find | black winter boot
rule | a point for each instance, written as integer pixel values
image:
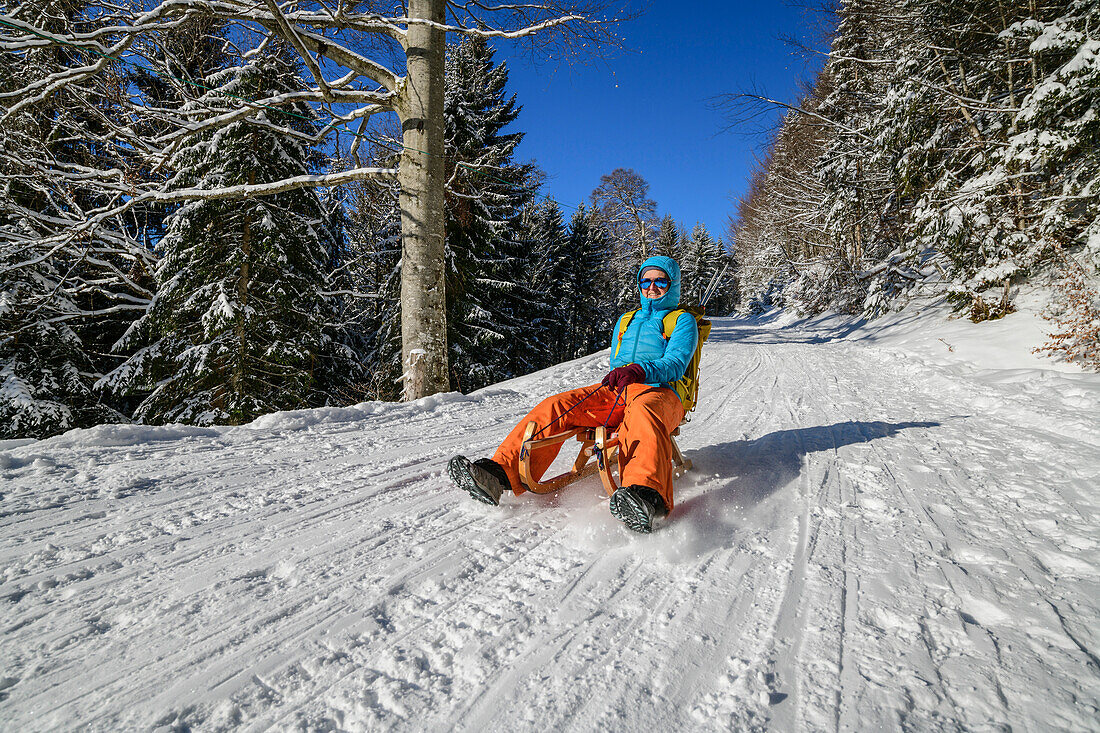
(636, 507)
(484, 479)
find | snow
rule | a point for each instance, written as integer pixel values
(116, 436)
(220, 311)
(1054, 38)
(1087, 57)
(890, 525)
(13, 389)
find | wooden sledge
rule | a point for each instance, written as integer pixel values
(599, 442)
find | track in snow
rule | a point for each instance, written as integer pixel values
(866, 542)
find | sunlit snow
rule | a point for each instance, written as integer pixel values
(890, 526)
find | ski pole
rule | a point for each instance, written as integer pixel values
(707, 289)
(713, 287)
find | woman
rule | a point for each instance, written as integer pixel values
(635, 396)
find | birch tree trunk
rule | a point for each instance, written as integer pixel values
(423, 305)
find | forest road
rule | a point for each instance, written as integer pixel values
(867, 541)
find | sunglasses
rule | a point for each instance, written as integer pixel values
(660, 282)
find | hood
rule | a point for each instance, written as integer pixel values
(669, 300)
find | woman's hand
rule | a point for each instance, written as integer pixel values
(618, 378)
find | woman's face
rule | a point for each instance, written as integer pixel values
(654, 283)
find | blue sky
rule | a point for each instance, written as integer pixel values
(647, 109)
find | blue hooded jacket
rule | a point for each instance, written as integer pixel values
(644, 343)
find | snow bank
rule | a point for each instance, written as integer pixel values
(301, 419)
(107, 436)
(289, 420)
(15, 443)
(932, 332)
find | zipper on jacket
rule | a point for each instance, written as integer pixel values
(644, 314)
(637, 334)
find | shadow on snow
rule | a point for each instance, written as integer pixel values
(753, 470)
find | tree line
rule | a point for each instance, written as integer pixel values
(946, 145)
(218, 308)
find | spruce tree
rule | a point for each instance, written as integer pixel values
(594, 303)
(61, 298)
(1056, 133)
(552, 272)
(726, 294)
(667, 242)
(180, 58)
(375, 269)
(701, 260)
(237, 327)
(1057, 138)
(488, 324)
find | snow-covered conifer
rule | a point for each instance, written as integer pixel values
(488, 327)
(1057, 130)
(701, 260)
(63, 298)
(667, 241)
(374, 235)
(179, 61)
(1057, 138)
(553, 271)
(594, 303)
(238, 324)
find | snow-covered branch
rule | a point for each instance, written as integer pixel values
(266, 189)
(379, 102)
(529, 30)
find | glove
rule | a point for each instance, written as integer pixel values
(619, 377)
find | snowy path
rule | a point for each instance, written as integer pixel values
(869, 541)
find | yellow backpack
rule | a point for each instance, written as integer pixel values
(687, 386)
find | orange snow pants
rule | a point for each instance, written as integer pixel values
(645, 425)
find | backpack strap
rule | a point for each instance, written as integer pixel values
(624, 321)
(668, 323)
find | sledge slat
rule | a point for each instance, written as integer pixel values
(546, 487)
(525, 457)
(552, 440)
(677, 456)
(584, 454)
(610, 451)
(589, 439)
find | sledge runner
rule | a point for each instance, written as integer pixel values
(636, 396)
